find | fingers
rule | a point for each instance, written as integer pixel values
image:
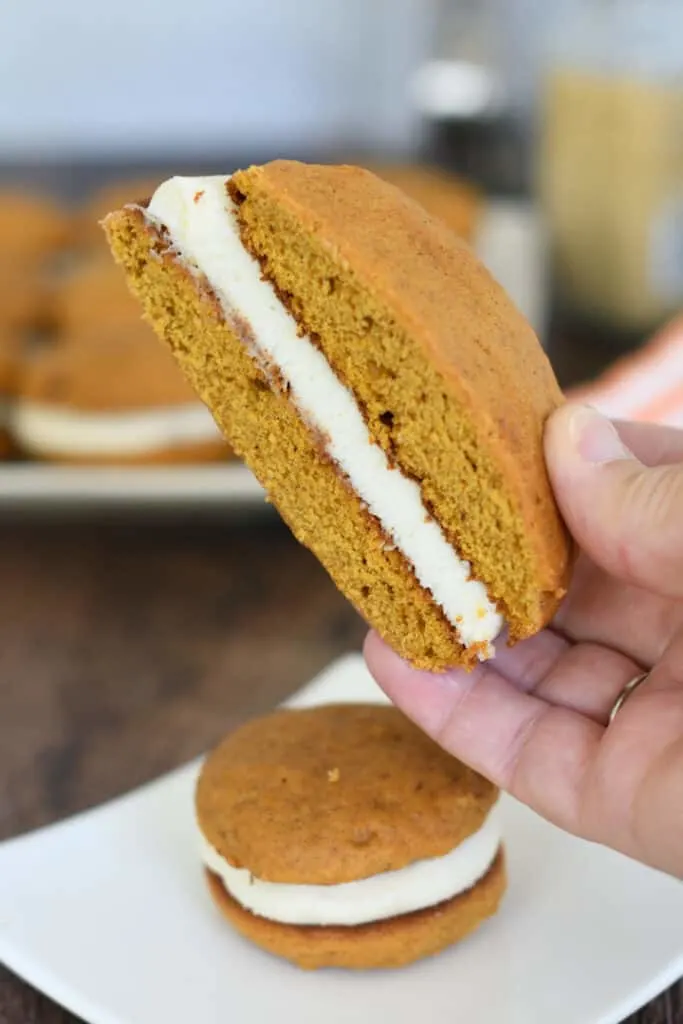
(585, 677)
(652, 443)
(538, 752)
(599, 609)
(625, 515)
(655, 716)
(529, 662)
(602, 610)
(637, 777)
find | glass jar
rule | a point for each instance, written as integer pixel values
(610, 158)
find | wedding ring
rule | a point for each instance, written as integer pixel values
(630, 688)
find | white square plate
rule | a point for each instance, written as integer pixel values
(108, 914)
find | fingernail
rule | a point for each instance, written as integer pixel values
(595, 437)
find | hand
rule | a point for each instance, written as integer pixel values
(535, 720)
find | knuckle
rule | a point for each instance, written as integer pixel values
(447, 732)
(514, 767)
(651, 539)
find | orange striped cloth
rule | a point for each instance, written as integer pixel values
(646, 385)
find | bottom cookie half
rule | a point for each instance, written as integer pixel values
(390, 943)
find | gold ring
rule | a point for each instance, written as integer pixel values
(630, 688)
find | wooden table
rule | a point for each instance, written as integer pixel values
(127, 648)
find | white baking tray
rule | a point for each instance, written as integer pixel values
(217, 485)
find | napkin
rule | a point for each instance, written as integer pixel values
(646, 385)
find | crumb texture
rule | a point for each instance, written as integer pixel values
(392, 943)
(266, 431)
(266, 802)
(450, 377)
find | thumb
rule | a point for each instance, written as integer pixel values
(626, 516)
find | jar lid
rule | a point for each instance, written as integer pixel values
(457, 90)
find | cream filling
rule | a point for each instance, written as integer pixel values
(199, 217)
(425, 883)
(51, 430)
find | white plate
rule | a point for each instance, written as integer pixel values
(108, 914)
(510, 241)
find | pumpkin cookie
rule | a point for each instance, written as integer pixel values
(92, 297)
(379, 383)
(341, 836)
(455, 202)
(116, 398)
(25, 299)
(32, 228)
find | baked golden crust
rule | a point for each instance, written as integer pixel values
(451, 378)
(459, 204)
(336, 793)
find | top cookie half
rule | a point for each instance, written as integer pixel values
(378, 382)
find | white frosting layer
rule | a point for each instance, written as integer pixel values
(53, 430)
(200, 219)
(422, 884)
